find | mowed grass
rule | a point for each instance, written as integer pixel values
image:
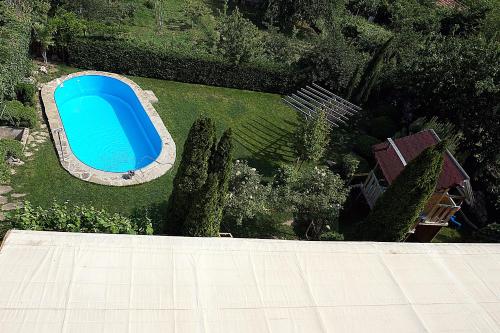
(263, 130)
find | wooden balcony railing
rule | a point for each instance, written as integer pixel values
(439, 210)
(372, 189)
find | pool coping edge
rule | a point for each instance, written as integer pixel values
(75, 167)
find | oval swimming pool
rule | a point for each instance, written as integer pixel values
(106, 125)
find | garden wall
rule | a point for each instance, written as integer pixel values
(122, 57)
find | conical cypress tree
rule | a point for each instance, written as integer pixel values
(372, 72)
(201, 220)
(399, 207)
(192, 173)
(221, 165)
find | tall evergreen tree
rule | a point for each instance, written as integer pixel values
(202, 220)
(372, 72)
(221, 165)
(399, 207)
(192, 173)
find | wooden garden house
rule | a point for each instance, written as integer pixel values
(453, 187)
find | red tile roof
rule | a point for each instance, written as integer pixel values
(410, 147)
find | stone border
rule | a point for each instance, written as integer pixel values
(84, 172)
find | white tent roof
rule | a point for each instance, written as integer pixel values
(68, 282)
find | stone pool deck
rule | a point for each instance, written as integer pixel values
(84, 172)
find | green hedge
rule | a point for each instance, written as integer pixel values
(121, 56)
(14, 113)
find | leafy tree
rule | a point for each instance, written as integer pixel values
(238, 37)
(457, 79)
(192, 173)
(195, 10)
(248, 196)
(44, 35)
(67, 26)
(397, 210)
(443, 128)
(312, 138)
(372, 72)
(332, 62)
(315, 197)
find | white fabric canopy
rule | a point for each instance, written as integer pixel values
(69, 282)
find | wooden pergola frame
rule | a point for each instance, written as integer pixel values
(313, 99)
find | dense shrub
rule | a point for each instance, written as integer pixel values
(25, 93)
(363, 146)
(146, 60)
(383, 127)
(14, 113)
(71, 218)
(349, 165)
(10, 148)
(14, 44)
(331, 236)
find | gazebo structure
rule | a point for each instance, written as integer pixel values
(453, 187)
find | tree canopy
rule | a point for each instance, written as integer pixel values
(398, 209)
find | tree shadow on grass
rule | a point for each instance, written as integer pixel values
(268, 143)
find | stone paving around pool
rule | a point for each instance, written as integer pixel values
(84, 172)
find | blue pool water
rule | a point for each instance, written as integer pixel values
(106, 125)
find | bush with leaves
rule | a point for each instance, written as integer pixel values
(398, 209)
(331, 236)
(349, 165)
(251, 210)
(443, 128)
(25, 93)
(315, 196)
(248, 196)
(14, 113)
(10, 148)
(75, 218)
(239, 39)
(312, 137)
(333, 62)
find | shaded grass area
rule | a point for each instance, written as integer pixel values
(263, 131)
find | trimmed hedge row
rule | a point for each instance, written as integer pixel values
(121, 56)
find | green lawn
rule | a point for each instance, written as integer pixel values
(262, 126)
